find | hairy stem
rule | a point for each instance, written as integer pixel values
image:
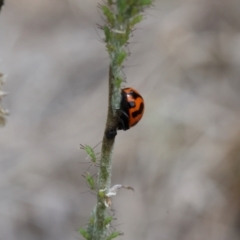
(104, 179)
(120, 16)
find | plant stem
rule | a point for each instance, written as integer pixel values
(104, 179)
(121, 16)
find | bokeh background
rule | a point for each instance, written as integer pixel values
(182, 159)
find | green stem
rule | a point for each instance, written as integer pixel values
(121, 16)
(104, 179)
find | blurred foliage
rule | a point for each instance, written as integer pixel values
(3, 112)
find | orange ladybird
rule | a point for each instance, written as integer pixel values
(132, 108)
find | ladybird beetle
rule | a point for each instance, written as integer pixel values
(131, 108)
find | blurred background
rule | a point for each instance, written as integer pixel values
(182, 159)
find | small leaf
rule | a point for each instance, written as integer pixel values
(118, 81)
(90, 181)
(101, 193)
(113, 235)
(136, 20)
(109, 15)
(146, 2)
(123, 38)
(107, 220)
(121, 6)
(108, 34)
(91, 220)
(84, 233)
(110, 48)
(120, 18)
(121, 57)
(90, 152)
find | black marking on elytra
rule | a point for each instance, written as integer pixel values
(138, 112)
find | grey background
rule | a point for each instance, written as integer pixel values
(182, 158)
